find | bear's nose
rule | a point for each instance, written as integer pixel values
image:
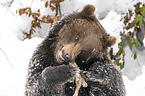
(67, 57)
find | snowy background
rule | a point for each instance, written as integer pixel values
(15, 52)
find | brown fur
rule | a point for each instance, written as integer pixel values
(91, 41)
(81, 38)
(77, 42)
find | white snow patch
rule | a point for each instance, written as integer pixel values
(113, 26)
(137, 86)
(18, 53)
(132, 67)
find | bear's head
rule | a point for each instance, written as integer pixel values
(83, 35)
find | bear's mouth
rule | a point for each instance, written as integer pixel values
(63, 58)
(60, 59)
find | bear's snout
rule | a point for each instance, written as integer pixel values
(67, 57)
(61, 57)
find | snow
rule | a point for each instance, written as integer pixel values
(133, 68)
(113, 26)
(15, 52)
(135, 87)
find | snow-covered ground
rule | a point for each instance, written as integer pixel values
(15, 54)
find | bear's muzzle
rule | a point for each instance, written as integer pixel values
(61, 58)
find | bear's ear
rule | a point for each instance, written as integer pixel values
(88, 12)
(111, 41)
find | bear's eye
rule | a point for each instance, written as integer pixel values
(77, 39)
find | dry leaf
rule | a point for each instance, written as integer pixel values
(22, 11)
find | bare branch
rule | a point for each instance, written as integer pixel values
(31, 3)
(21, 3)
(7, 5)
(7, 58)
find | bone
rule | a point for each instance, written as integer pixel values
(79, 80)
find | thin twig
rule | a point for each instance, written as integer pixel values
(59, 10)
(7, 58)
(21, 3)
(31, 3)
(8, 9)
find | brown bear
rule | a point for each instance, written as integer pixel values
(79, 38)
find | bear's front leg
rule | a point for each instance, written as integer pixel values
(53, 78)
(79, 80)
